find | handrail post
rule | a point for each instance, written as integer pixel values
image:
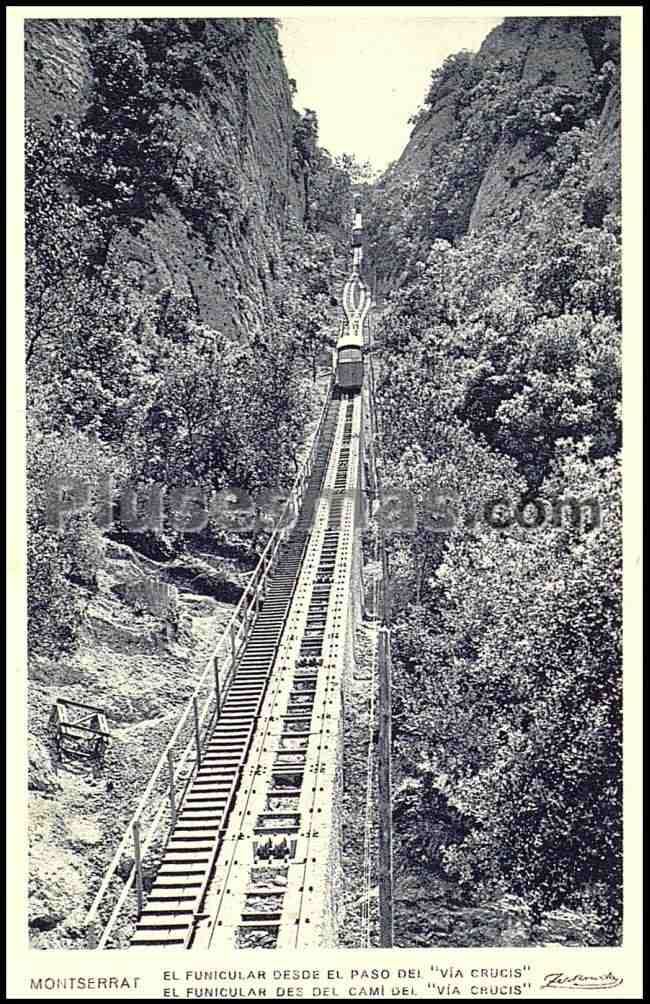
(217, 687)
(197, 731)
(138, 865)
(172, 786)
(233, 643)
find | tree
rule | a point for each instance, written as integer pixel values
(506, 640)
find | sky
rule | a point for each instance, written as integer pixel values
(364, 77)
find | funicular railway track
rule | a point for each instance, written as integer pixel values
(177, 893)
(260, 891)
(244, 862)
(176, 900)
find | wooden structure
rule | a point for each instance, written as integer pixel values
(81, 730)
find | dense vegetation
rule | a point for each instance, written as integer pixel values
(130, 383)
(490, 103)
(499, 379)
(507, 639)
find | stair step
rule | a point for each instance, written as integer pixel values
(189, 835)
(166, 872)
(207, 785)
(164, 913)
(230, 749)
(185, 864)
(175, 905)
(210, 811)
(205, 799)
(181, 845)
(146, 938)
(175, 883)
(231, 730)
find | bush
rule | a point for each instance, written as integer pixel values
(63, 561)
(506, 642)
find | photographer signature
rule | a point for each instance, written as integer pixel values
(563, 981)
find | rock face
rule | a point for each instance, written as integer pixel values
(42, 775)
(429, 132)
(608, 160)
(250, 135)
(561, 52)
(550, 49)
(145, 644)
(141, 675)
(58, 77)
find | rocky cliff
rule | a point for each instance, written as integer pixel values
(559, 52)
(487, 136)
(236, 117)
(185, 156)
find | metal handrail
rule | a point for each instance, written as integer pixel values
(231, 636)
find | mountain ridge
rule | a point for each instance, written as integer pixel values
(487, 134)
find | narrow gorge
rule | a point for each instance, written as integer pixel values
(187, 242)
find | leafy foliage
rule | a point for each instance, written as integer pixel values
(305, 137)
(134, 151)
(129, 380)
(62, 564)
(506, 642)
